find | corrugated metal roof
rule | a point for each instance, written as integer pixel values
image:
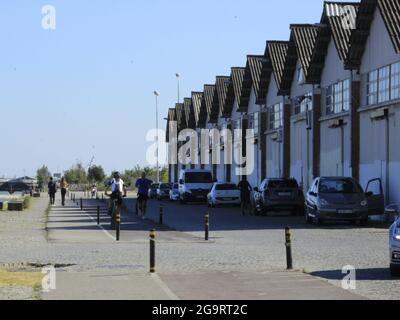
(171, 117)
(222, 84)
(189, 113)
(180, 116)
(277, 53)
(200, 111)
(305, 38)
(390, 11)
(256, 65)
(237, 79)
(211, 98)
(229, 100)
(341, 17)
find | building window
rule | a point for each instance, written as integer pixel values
(383, 84)
(276, 116)
(337, 97)
(395, 81)
(303, 104)
(372, 87)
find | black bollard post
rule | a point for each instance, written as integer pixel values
(207, 226)
(153, 251)
(81, 204)
(118, 224)
(161, 214)
(98, 215)
(289, 258)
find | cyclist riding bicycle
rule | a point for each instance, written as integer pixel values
(118, 192)
(143, 186)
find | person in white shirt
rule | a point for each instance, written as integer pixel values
(118, 189)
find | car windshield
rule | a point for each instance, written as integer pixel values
(198, 177)
(339, 186)
(154, 186)
(176, 186)
(226, 187)
(279, 184)
(165, 186)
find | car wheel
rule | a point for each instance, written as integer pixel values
(395, 270)
(317, 220)
(309, 220)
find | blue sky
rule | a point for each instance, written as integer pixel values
(86, 88)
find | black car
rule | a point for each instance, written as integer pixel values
(278, 195)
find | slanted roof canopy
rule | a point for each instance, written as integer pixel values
(212, 104)
(277, 53)
(390, 11)
(200, 110)
(222, 85)
(237, 80)
(310, 52)
(171, 117)
(189, 113)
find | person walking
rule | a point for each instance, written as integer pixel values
(52, 187)
(143, 186)
(63, 186)
(245, 193)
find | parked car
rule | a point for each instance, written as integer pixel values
(163, 191)
(343, 199)
(278, 195)
(224, 194)
(153, 190)
(174, 192)
(394, 242)
(195, 185)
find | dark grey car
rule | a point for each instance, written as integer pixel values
(278, 195)
(343, 199)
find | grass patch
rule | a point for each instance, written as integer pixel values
(27, 202)
(20, 279)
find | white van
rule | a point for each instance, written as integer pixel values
(194, 185)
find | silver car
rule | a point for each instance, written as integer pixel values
(343, 199)
(394, 242)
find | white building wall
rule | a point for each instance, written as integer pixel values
(379, 152)
(301, 148)
(235, 116)
(255, 177)
(274, 148)
(334, 141)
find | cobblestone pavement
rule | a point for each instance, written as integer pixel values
(237, 244)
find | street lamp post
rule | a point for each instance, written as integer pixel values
(156, 94)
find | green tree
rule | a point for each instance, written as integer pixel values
(76, 175)
(43, 176)
(96, 174)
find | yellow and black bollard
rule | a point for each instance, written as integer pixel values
(161, 214)
(118, 224)
(207, 226)
(152, 251)
(98, 215)
(289, 258)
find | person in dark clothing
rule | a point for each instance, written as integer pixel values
(52, 191)
(245, 193)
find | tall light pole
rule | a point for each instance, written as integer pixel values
(156, 94)
(177, 77)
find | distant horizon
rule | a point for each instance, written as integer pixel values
(85, 89)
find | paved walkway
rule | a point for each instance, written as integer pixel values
(70, 225)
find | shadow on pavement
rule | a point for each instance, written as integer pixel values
(373, 274)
